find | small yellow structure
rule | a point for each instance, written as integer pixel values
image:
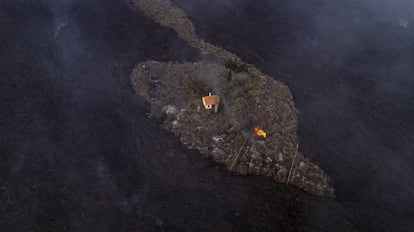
(211, 101)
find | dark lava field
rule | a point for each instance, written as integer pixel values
(350, 66)
(79, 153)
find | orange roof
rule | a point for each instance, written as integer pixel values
(211, 100)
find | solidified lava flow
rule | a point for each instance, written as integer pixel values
(81, 151)
(77, 151)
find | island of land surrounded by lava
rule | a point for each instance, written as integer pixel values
(250, 121)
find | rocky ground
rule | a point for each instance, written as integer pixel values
(248, 99)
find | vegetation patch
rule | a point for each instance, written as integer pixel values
(240, 101)
(234, 66)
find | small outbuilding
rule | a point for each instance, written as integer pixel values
(211, 101)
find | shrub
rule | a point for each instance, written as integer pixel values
(188, 85)
(240, 101)
(194, 104)
(233, 66)
(252, 91)
(222, 107)
(229, 76)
